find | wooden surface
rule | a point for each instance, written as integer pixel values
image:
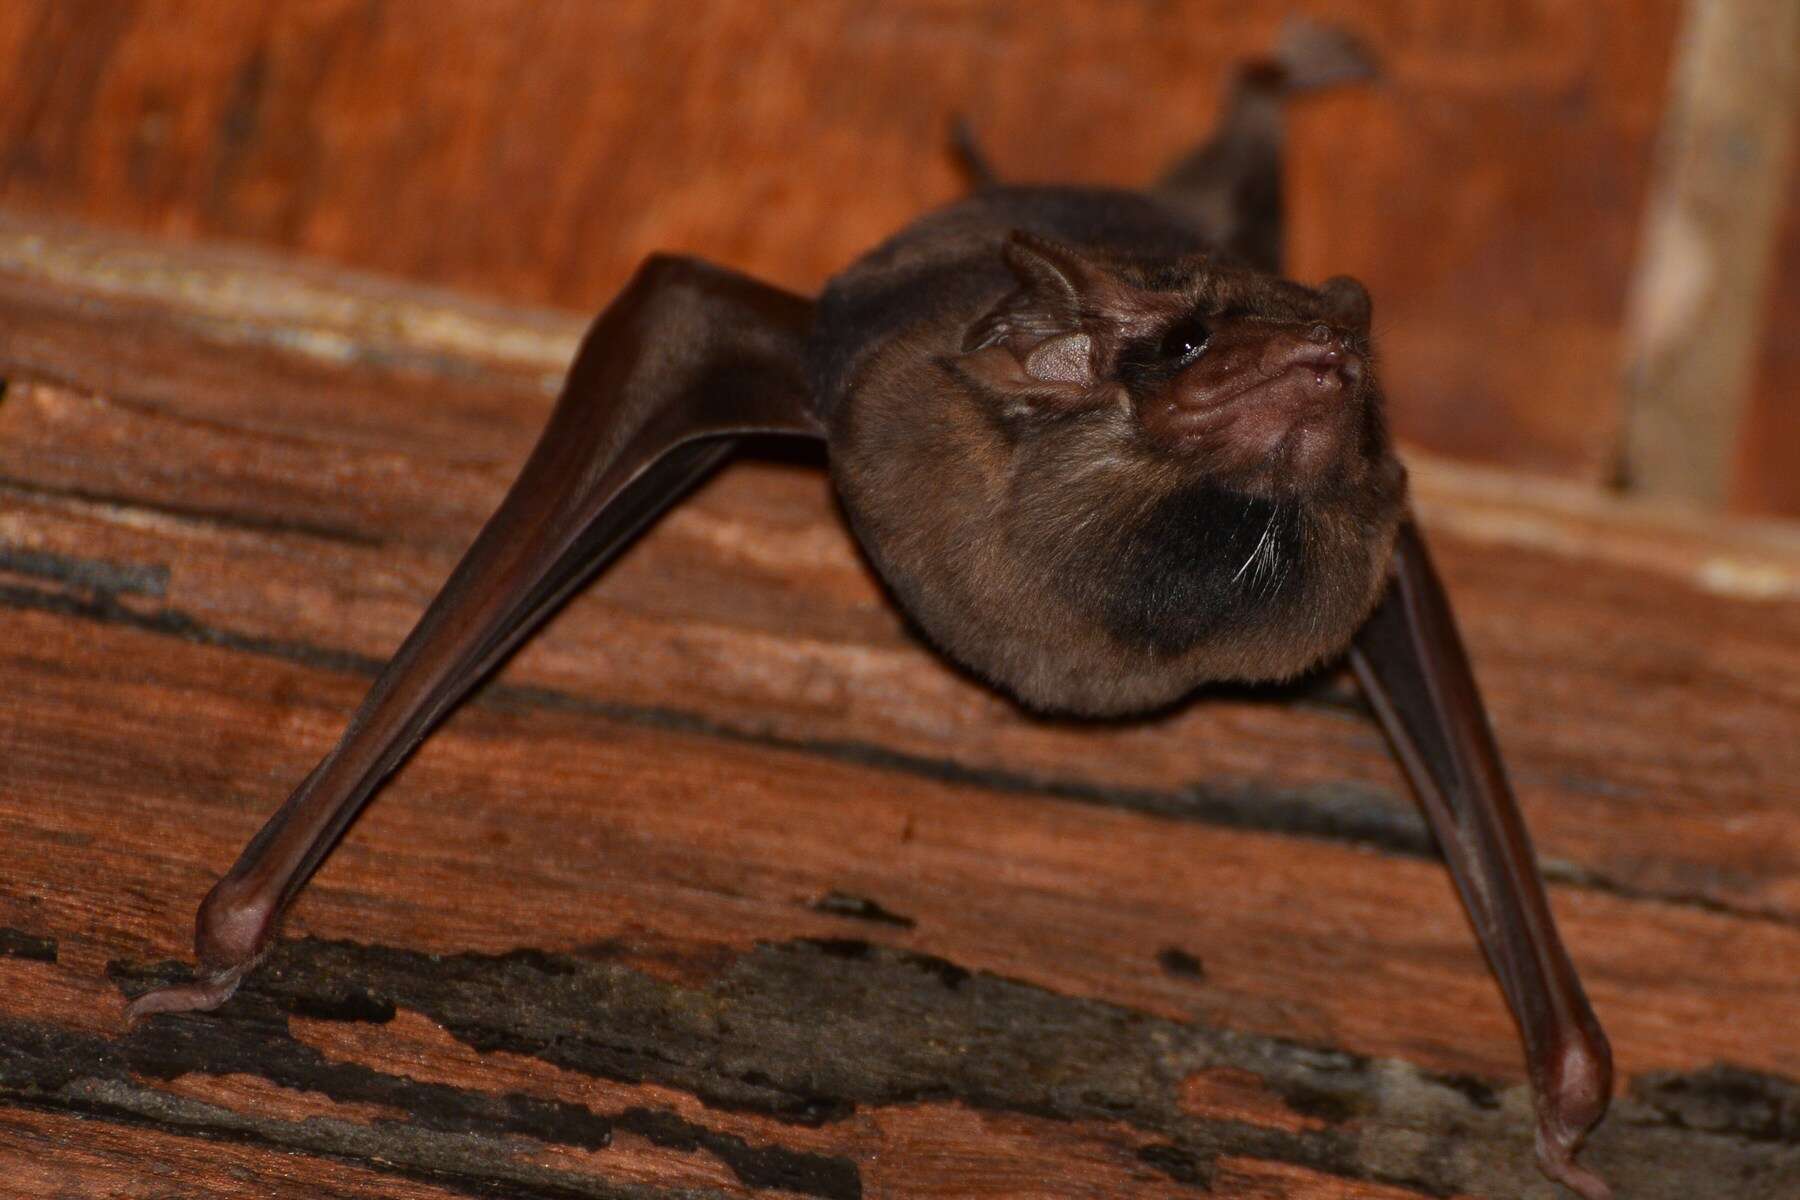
(1490, 190)
(1766, 474)
(729, 887)
(1712, 227)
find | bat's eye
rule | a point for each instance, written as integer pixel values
(1185, 340)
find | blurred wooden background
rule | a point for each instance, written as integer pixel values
(1490, 191)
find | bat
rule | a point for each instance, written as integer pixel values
(1102, 453)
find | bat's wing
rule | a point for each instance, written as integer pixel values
(1231, 184)
(1411, 662)
(688, 358)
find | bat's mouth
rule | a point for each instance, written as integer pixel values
(1279, 430)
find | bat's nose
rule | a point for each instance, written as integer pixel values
(1324, 351)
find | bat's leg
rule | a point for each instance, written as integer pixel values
(1232, 183)
(1411, 662)
(687, 358)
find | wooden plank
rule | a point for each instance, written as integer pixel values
(61, 1154)
(675, 946)
(1699, 297)
(728, 886)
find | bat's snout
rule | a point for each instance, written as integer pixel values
(1281, 403)
(1325, 352)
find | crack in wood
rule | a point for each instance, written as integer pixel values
(55, 1068)
(809, 1033)
(468, 1164)
(858, 908)
(213, 517)
(1726, 1100)
(1180, 963)
(131, 578)
(16, 943)
(1178, 1164)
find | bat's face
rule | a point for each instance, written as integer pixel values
(1269, 388)
(1133, 480)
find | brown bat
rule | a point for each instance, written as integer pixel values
(1101, 452)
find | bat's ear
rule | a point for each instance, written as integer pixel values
(1056, 279)
(1053, 323)
(1061, 290)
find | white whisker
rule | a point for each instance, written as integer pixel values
(1264, 547)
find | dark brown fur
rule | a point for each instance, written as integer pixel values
(1133, 570)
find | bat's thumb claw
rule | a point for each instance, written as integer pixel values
(1558, 1162)
(1575, 1099)
(201, 995)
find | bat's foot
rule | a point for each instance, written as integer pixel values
(1577, 1095)
(1322, 56)
(1557, 1159)
(202, 994)
(231, 931)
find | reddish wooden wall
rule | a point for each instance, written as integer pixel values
(1488, 191)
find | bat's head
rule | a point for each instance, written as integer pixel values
(1255, 384)
(1134, 478)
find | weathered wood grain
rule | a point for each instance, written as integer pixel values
(675, 953)
(1712, 224)
(729, 887)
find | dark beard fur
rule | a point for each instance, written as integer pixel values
(1205, 562)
